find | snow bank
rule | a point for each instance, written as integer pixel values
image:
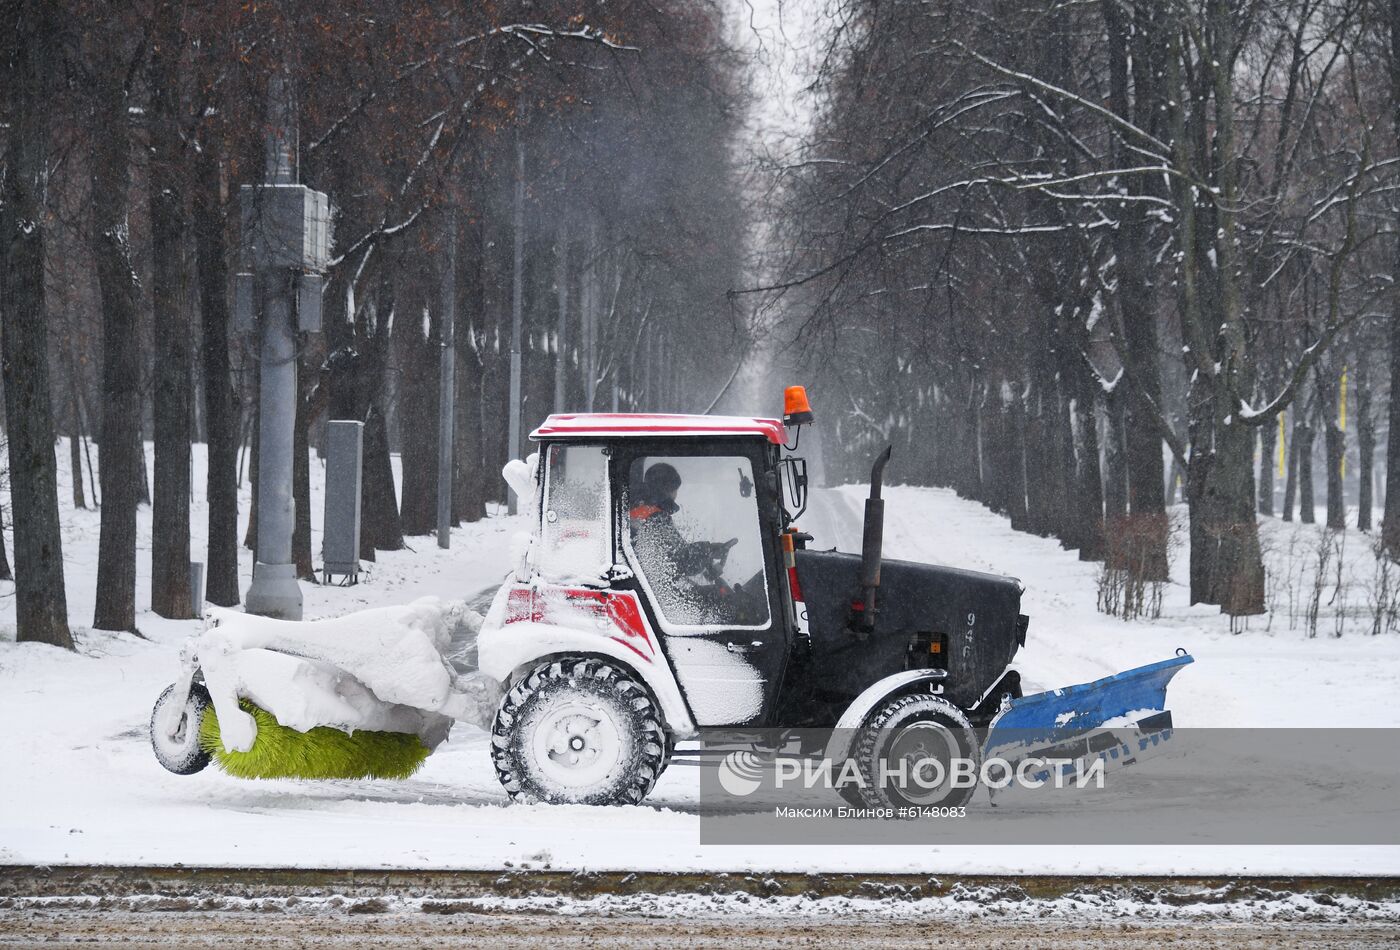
(385, 669)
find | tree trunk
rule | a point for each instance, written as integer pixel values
(1038, 493)
(1365, 440)
(5, 573)
(1390, 524)
(1141, 380)
(469, 496)
(75, 462)
(77, 430)
(1016, 463)
(1306, 505)
(1223, 526)
(1237, 576)
(1201, 542)
(121, 456)
(250, 537)
(472, 470)
(495, 381)
(1335, 448)
(1146, 485)
(143, 482)
(1176, 482)
(1115, 490)
(1290, 485)
(469, 471)
(220, 402)
(969, 472)
(1390, 519)
(995, 436)
(561, 340)
(380, 528)
(1268, 445)
(26, 85)
(1333, 441)
(1067, 521)
(171, 330)
(416, 349)
(1088, 488)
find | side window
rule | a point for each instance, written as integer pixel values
(575, 540)
(694, 530)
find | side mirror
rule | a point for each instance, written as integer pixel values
(794, 471)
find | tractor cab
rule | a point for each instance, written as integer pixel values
(670, 527)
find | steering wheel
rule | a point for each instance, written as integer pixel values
(717, 554)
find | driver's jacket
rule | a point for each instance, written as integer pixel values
(659, 543)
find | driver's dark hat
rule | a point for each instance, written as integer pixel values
(661, 479)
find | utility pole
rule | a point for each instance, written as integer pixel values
(447, 381)
(561, 290)
(517, 284)
(286, 246)
(588, 309)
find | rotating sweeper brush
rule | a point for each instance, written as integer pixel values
(369, 695)
(279, 751)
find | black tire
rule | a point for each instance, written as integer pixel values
(181, 753)
(578, 731)
(851, 795)
(668, 753)
(910, 726)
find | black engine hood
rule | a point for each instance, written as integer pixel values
(976, 614)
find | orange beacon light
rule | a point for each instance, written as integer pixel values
(797, 411)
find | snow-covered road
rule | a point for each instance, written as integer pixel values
(80, 785)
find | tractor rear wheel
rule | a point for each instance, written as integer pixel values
(898, 744)
(578, 731)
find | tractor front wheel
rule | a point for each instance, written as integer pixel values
(578, 731)
(907, 750)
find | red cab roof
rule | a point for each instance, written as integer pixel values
(640, 424)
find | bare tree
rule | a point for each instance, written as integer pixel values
(171, 329)
(29, 66)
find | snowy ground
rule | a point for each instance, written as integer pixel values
(80, 784)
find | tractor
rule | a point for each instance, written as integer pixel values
(666, 589)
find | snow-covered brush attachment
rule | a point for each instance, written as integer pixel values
(320, 752)
(368, 695)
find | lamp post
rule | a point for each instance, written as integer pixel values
(285, 249)
(447, 380)
(516, 297)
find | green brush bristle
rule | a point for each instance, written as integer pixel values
(323, 752)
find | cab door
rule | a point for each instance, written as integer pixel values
(705, 559)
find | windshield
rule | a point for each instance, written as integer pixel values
(694, 530)
(575, 543)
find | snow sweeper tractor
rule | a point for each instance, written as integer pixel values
(663, 591)
(666, 589)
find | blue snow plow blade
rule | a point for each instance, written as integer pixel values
(1061, 713)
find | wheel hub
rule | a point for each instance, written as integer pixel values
(914, 746)
(577, 744)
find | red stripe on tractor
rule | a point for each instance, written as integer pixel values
(620, 609)
(631, 647)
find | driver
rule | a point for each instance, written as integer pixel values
(655, 533)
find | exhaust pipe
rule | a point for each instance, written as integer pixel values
(871, 545)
